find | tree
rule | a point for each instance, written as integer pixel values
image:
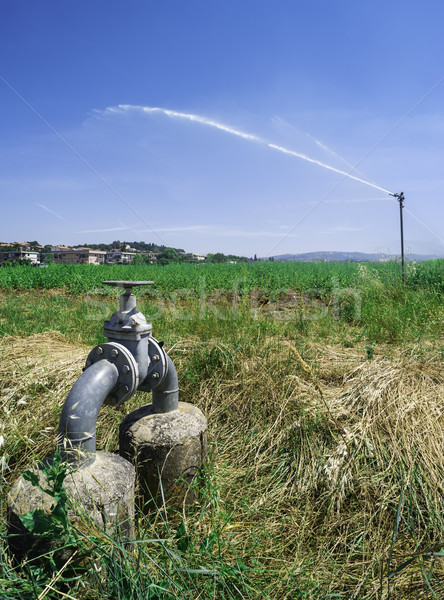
(138, 260)
(168, 255)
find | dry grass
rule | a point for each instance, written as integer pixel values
(316, 462)
(36, 375)
(328, 469)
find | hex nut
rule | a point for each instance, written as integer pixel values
(99, 350)
(114, 353)
(156, 357)
(155, 376)
(125, 369)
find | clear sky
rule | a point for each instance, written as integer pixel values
(245, 89)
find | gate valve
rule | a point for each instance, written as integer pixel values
(127, 323)
(139, 358)
(130, 360)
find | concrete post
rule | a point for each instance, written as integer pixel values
(167, 450)
(103, 491)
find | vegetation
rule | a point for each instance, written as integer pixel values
(138, 246)
(323, 387)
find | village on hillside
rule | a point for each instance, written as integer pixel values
(117, 253)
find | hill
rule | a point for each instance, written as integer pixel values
(350, 256)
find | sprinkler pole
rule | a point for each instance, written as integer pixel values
(401, 199)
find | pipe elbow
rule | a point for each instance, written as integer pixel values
(77, 425)
(166, 394)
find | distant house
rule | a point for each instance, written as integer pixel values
(79, 256)
(60, 248)
(119, 257)
(18, 255)
(198, 256)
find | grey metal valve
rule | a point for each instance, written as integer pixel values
(130, 360)
(127, 285)
(127, 368)
(127, 299)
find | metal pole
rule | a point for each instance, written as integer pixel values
(401, 199)
(401, 206)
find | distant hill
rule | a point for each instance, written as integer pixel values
(350, 256)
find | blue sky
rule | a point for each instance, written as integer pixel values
(253, 98)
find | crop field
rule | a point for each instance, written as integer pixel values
(323, 386)
(268, 275)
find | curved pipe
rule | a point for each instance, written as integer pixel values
(77, 425)
(166, 394)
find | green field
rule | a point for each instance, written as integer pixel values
(271, 276)
(323, 386)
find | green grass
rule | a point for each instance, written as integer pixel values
(322, 299)
(325, 471)
(269, 276)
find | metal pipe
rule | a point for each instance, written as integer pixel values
(400, 197)
(401, 206)
(166, 394)
(77, 425)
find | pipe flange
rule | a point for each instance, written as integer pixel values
(157, 368)
(126, 365)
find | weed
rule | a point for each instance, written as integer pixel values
(370, 350)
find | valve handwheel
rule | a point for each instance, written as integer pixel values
(127, 285)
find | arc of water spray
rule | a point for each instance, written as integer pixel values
(321, 145)
(238, 133)
(329, 167)
(186, 116)
(254, 138)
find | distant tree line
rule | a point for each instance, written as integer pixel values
(139, 246)
(166, 254)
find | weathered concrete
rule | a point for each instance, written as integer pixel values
(167, 449)
(103, 492)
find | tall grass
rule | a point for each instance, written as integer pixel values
(271, 276)
(326, 432)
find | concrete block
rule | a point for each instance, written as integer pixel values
(102, 491)
(167, 450)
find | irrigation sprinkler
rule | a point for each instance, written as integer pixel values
(400, 197)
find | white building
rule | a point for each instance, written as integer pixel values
(79, 256)
(119, 258)
(13, 255)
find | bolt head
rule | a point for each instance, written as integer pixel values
(156, 357)
(125, 369)
(99, 350)
(155, 376)
(125, 388)
(114, 353)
